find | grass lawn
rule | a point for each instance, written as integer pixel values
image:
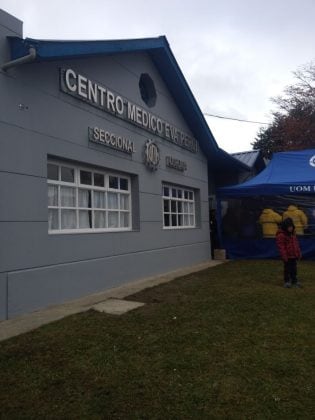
(225, 343)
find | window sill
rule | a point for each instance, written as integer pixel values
(85, 231)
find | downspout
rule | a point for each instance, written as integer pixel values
(22, 60)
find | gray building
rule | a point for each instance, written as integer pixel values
(104, 167)
(255, 162)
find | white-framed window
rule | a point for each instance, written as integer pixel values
(87, 200)
(178, 207)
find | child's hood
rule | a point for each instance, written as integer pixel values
(285, 225)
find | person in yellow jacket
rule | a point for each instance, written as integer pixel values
(269, 220)
(299, 218)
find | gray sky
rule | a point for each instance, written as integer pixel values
(235, 54)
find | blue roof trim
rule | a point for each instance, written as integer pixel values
(174, 79)
(163, 58)
(50, 50)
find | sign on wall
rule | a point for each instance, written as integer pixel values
(174, 163)
(112, 140)
(99, 96)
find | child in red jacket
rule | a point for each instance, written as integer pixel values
(290, 252)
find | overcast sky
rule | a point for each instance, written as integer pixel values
(234, 54)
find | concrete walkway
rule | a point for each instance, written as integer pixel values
(34, 320)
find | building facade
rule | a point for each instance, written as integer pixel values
(103, 167)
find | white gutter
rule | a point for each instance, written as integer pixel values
(22, 60)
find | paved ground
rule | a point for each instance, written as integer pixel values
(98, 301)
(117, 306)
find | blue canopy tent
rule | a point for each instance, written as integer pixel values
(288, 180)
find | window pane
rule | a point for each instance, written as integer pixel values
(186, 220)
(85, 177)
(180, 193)
(124, 202)
(67, 197)
(53, 219)
(191, 221)
(124, 184)
(191, 196)
(186, 195)
(113, 219)
(191, 207)
(166, 219)
(99, 180)
(174, 192)
(124, 220)
(87, 203)
(174, 220)
(52, 195)
(166, 192)
(166, 205)
(173, 206)
(100, 219)
(85, 219)
(52, 172)
(68, 219)
(113, 182)
(99, 200)
(84, 198)
(180, 220)
(112, 200)
(67, 174)
(179, 207)
(185, 207)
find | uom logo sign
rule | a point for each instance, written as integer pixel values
(151, 155)
(312, 161)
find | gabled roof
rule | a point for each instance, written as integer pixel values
(163, 58)
(287, 173)
(249, 157)
(252, 158)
